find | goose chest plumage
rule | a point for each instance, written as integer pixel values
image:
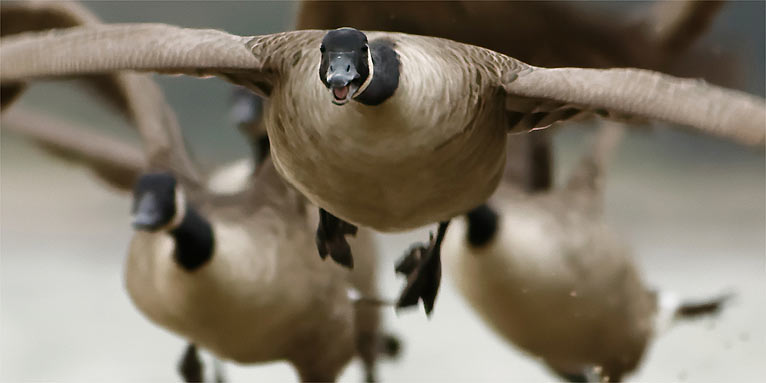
(396, 173)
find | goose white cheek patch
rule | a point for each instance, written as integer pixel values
(368, 80)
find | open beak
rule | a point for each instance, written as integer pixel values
(340, 75)
(146, 215)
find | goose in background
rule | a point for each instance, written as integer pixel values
(397, 130)
(165, 283)
(139, 98)
(546, 273)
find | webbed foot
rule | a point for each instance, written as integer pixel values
(331, 238)
(422, 267)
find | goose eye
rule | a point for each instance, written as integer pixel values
(364, 48)
(321, 48)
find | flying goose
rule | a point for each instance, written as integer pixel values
(545, 272)
(387, 130)
(566, 34)
(139, 98)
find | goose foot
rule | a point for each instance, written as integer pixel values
(190, 367)
(331, 238)
(423, 268)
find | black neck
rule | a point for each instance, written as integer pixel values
(385, 73)
(482, 226)
(194, 240)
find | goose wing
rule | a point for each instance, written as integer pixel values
(114, 162)
(538, 97)
(25, 16)
(137, 97)
(254, 62)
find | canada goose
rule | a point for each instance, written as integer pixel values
(177, 293)
(140, 99)
(417, 140)
(566, 34)
(211, 281)
(547, 274)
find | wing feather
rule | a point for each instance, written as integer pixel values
(249, 61)
(114, 162)
(562, 93)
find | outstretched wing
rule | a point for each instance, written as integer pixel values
(114, 162)
(137, 97)
(24, 16)
(254, 62)
(538, 97)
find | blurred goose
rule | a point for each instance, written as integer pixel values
(167, 287)
(237, 278)
(387, 130)
(547, 274)
(140, 99)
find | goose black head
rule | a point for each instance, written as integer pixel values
(158, 202)
(346, 68)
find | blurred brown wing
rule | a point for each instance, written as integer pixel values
(253, 62)
(114, 162)
(538, 97)
(137, 97)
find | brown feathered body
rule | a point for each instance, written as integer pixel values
(396, 173)
(557, 283)
(264, 295)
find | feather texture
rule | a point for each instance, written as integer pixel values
(434, 150)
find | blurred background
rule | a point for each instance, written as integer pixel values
(692, 207)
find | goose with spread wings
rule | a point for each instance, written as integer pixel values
(387, 130)
(207, 266)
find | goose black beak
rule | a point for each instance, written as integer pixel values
(340, 76)
(147, 214)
